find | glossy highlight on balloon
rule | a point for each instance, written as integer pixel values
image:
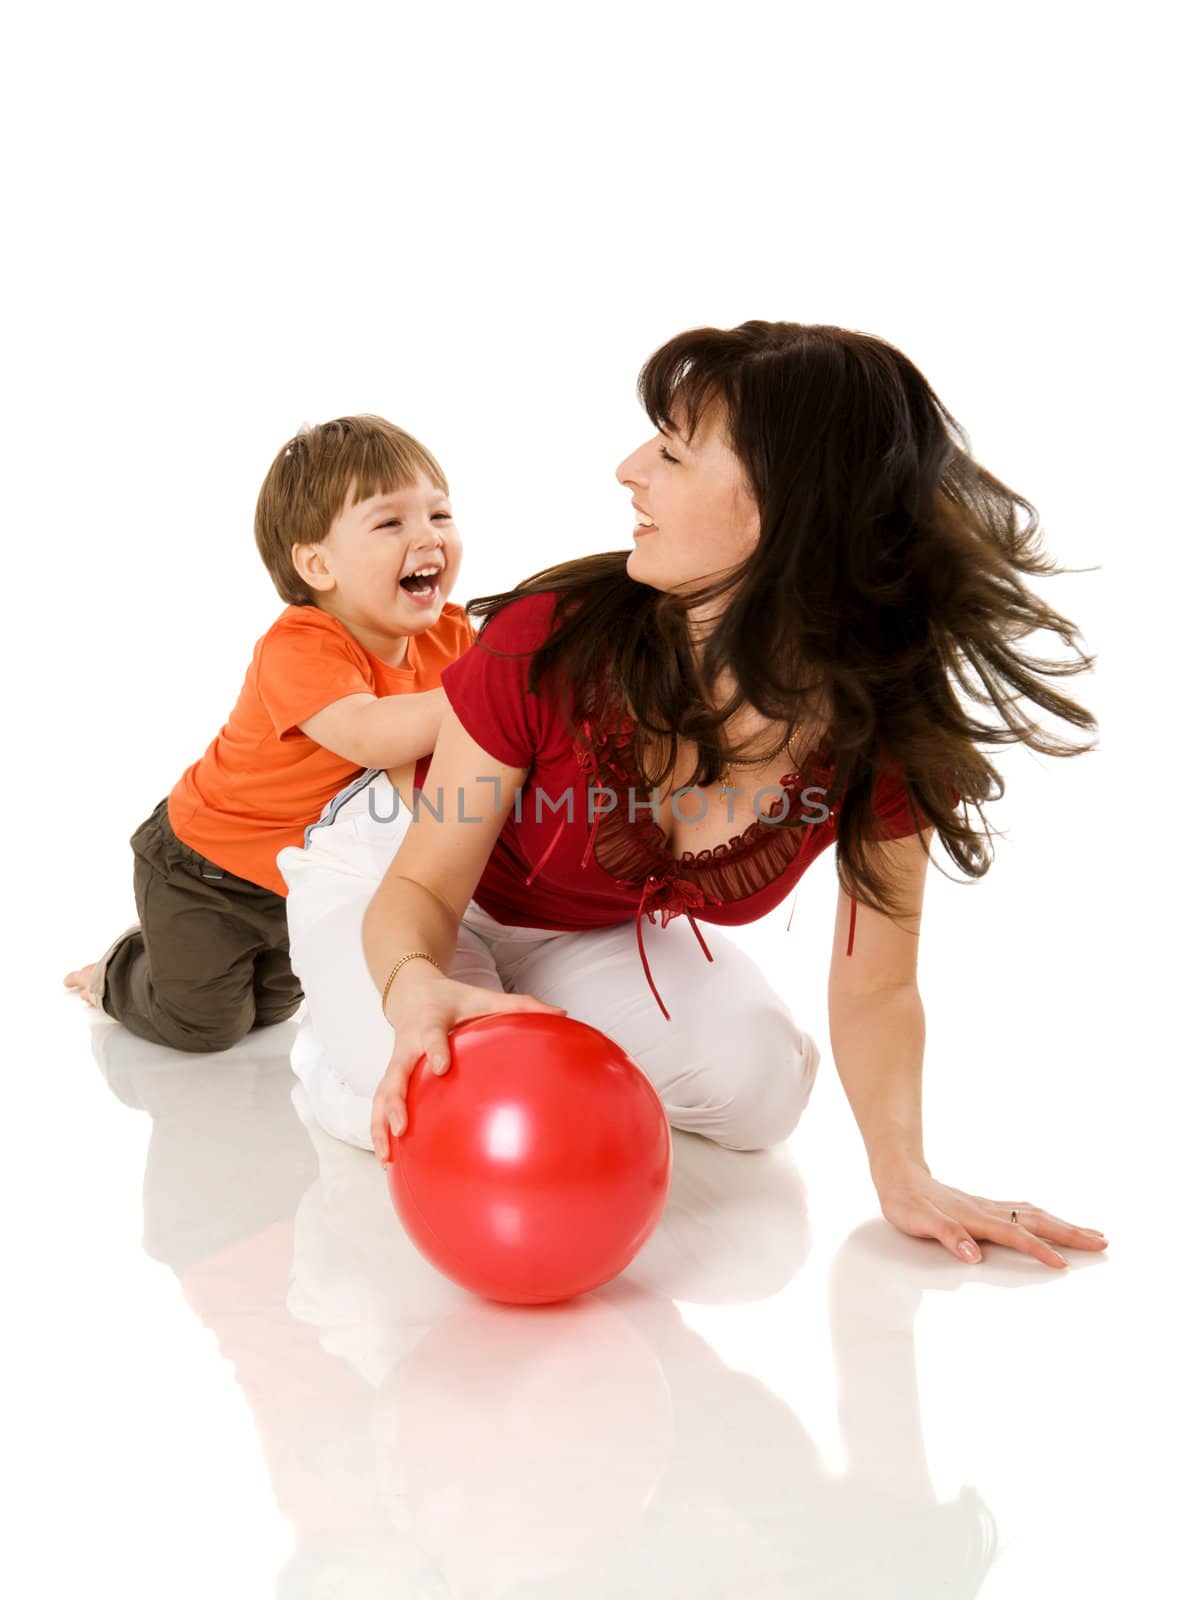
(538, 1166)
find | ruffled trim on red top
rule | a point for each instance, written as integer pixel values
(633, 849)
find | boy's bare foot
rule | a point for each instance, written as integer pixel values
(79, 980)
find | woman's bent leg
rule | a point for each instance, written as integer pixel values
(345, 1043)
(732, 1064)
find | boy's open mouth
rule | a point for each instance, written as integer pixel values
(421, 588)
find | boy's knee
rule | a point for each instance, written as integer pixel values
(205, 1042)
(202, 1035)
(274, 1014)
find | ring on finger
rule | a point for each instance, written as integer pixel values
(1014, 1215)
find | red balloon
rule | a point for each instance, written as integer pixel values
(538, 1165)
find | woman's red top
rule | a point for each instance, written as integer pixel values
(580, 851)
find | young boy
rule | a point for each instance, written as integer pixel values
(354, 525)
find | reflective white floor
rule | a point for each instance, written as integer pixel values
(263, 1390)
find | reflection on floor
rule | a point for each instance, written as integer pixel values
(426, 1443)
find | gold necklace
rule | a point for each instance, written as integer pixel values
(725, 786)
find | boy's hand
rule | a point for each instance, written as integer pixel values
(422, 1013)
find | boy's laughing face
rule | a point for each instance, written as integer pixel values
(363, 571)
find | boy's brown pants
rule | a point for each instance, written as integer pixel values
(210, 958)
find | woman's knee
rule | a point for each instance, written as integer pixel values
(754, 1094)
(770, 1108)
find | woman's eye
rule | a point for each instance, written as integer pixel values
(445, 516)
(665, 456)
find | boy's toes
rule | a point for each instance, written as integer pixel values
(80, 980)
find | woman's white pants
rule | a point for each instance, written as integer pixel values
(731, 1064)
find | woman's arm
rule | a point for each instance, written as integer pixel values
(877, 1031)
(419, 905)
(877, 1019)
(430, 880)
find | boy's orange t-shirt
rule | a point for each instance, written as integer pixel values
(262, 781)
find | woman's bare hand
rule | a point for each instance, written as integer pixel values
(913, 1201)
(423, 1013)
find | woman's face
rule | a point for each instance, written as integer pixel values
(696, 513)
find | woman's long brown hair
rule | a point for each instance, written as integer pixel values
(887, 583)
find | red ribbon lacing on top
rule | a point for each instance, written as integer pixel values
(673, 897)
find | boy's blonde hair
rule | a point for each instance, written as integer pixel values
(308, 483)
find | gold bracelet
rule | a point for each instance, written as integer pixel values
(413, 955)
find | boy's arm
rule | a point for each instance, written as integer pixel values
(386, 731)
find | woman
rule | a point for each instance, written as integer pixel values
(817, 560)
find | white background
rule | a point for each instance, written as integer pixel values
(224, 221)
